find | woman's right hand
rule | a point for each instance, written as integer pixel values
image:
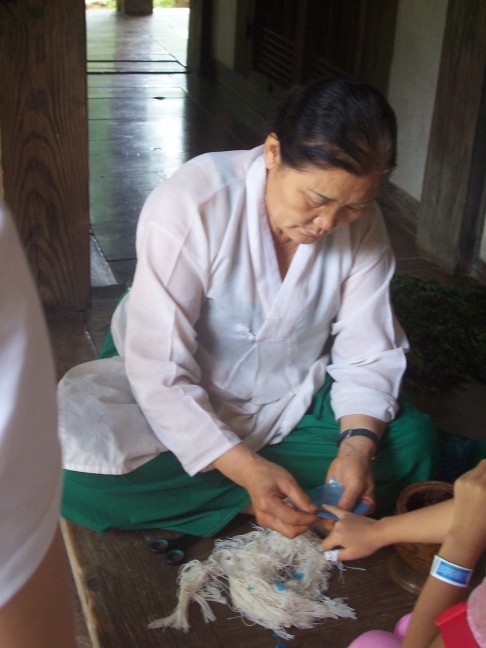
(269, 486)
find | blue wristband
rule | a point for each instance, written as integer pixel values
(450, 573)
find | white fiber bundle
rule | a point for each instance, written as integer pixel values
(268, 579)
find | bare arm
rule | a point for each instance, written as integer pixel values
(40, 614)
(463, 544)
(360, 536)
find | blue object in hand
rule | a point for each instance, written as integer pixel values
(330, 493)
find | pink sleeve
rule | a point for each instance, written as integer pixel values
(476, 613)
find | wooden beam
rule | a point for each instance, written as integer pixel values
(43, 121)
(454, 132)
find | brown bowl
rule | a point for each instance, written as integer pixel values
(410, 564)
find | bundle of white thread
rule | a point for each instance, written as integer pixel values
(268, 579)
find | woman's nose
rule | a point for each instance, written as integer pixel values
(328, 217)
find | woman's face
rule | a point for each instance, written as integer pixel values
(304, 206)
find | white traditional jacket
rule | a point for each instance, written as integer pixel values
(215, 347)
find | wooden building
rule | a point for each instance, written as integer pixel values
(427, 56)
(257, 47)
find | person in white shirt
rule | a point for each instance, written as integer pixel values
(35, 594)
(257, 336)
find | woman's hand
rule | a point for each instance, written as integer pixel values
(355, 536)
(269, 485)
(352, 467)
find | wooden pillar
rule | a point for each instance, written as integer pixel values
(135, 7)
(200, 32)
(43, 122)
(448, 187)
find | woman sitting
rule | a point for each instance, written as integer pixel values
(258, 349)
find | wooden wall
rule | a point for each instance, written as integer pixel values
(454, 180)
(44, 140)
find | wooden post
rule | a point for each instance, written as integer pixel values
(443, 217)
(43, 121)
(135, 7)
(199, 45)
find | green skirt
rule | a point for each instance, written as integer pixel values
(160, 494)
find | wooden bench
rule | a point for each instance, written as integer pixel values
(123, 586)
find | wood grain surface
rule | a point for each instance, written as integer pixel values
(43, 120)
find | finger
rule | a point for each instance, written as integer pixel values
(330, 543)
(348, 499)
(301, 500)
(370, 502)
(338, 512)
(290, 515)
(285, 519)
(286, 529)
(325, 525)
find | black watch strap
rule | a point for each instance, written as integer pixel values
(358, 432)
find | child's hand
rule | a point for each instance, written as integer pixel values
(354, 535)
(469, 517)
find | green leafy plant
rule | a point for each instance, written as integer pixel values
(157, 4)
(446, 327)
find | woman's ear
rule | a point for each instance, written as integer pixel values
(271, 151)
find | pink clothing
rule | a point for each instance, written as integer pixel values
(454, 628)
(464, 624)
(476, 613)
(381, 638)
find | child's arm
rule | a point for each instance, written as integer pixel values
(359, 536)
(463, 545)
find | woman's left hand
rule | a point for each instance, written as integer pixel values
(352, 467)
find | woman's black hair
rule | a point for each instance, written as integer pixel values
(337, 122)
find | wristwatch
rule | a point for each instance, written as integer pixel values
(347, 434)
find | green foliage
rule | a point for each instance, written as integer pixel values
(157, 4)
(446, 327)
